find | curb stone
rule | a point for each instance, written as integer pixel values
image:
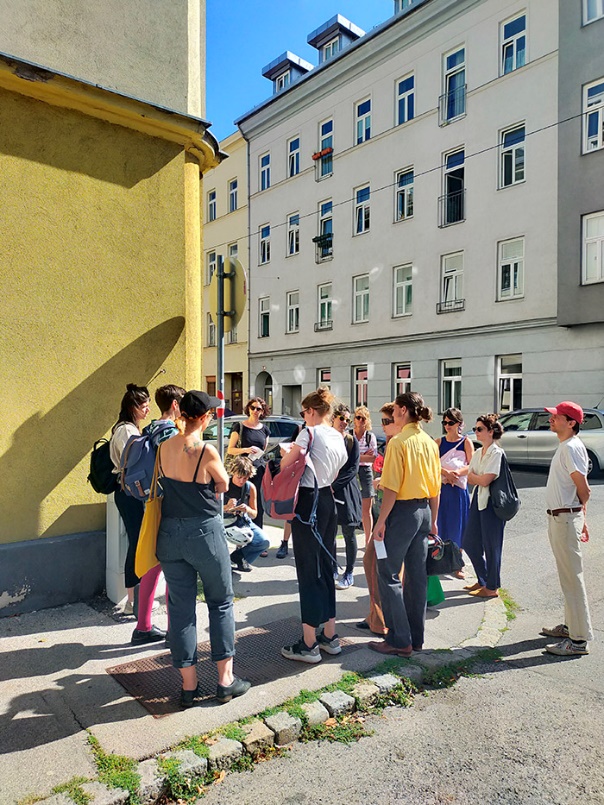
(315, 713)
(191, 765)
(152, 782)
(337, 702)
(258, 736)
(58, 799)
(286, 728)
(385, 682)
(101, 795)
(223, 753)
(365, 693)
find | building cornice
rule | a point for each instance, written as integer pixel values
(64, 91)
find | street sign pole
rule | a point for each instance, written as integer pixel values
(220, 367)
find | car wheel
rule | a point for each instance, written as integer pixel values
(593, 466)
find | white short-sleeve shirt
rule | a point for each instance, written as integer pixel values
(119, 440)
(328, 454)
(481, 464)
(561, 492)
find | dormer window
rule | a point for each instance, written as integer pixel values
(331, 48)
(282, 81)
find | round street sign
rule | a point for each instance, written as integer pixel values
(235, 293)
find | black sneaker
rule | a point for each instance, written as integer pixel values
(224, 693)
(300, 651)
(187, 697)
(242, 565)
(282, 550)
(167, 640)
(154, 635)
(330, 645)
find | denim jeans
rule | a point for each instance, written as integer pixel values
(483, 542)
(254, 548)
(187, 547)
(406, 541)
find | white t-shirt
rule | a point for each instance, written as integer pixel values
(328, 454)
(119, 440)
(481, 465)
(561, 492)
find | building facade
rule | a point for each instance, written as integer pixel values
(404, 212)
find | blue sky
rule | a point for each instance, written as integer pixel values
(245, 35)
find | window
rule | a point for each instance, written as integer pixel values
(452, 203)
(402, 5)
(592, 10)
(233, 195)
(282, 81)
(363, 117)
(406, 100)
(509, 386)
(402, 295)
(593, 116)
(362, 214)
(511, 269)
(450, 384)
(293, 158)
(593, 247)
(233, 250)
(211, 385)
(210, 266)
(324, 377)
(231, 336)
(453, 102)
(512, 157)
(264, 317)
(513, 44)
(331, 48)
(451, 289)
(265, 172)
(325, 159)
(211, 205)
(324, 239)
(293, 312)
(211, 330)
(324, 305)
(265, 244)
(360, 307)
(360, 377)
(401, 378)
(293, 234)
(403, 207)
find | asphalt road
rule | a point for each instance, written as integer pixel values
(529, 729)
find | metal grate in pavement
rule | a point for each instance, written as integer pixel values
(155, 683)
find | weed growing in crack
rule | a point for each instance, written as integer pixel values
(73, 788)
(116, 771)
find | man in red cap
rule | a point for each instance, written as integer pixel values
(566, 497)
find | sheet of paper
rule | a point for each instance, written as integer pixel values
(380, 549)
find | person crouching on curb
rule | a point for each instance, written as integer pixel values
(411, 487)
(241, 499)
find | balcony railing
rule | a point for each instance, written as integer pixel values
(452, 105)
(327, 324)
(451, 306)
(324, 244)
(452, 208)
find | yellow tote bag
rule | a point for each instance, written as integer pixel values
(145, 557)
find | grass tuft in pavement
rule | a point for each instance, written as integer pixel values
(511, 607)
(73, 789)
(180, 788)
(116, 771)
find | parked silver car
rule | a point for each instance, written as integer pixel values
(528, 439)
(281, 428)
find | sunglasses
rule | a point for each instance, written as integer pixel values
(361, 418)
(387, 422)
(342, 418)
(305, 411)
(255, 408)
(479, 429)
(448, 422)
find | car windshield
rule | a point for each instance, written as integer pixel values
(519, 421)
(211, 432)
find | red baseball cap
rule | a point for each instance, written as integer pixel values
(569, 409)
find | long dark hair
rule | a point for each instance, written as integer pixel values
(134, 396)
(416, 408)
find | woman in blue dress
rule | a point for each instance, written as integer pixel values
(456, 451)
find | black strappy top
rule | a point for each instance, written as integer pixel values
(184, 499)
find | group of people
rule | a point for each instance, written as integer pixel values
(422, 486)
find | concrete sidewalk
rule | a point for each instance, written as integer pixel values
(54, 686)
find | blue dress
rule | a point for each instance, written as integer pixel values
(454, 501)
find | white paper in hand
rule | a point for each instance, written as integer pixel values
(380, 549)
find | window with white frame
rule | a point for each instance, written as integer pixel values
(211, 205)
(293, 234)
(324, 377)
(593, 248)
(509, 383)
(211, 330)
(324, 239)
(282, 81)
(325, 160)
(264, 317)
(362, 210)
(512, 157)
(402, 295)
(233, 184)
(510, 282)
(451, 290)
(453, 102)
(293, 157)
(513, 44)
(265, 171)
(331, 48)
(233, 250)
(593, 116)
(360, 377)
(403, 207)
(592, 10)
(402, 5)
(401, 378)
(231, 336)
(363, 121)
(211, 264)
(292, 312)
(405, 99)
(450, 373)
(265, 244)
(324, 307)
(360, 302)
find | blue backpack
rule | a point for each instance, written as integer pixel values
(138, 460)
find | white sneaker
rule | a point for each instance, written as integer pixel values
(568, 648)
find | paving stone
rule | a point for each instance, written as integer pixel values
(152, 781)
(58, 799)
(337, 702)
(315, 713)
(191, 765)
(286, 727)
(385, 682)
(223, 753)
(258, 737)
(459, 654)
(413, 672)
(431, 660)
(365, 693)
(101, 795)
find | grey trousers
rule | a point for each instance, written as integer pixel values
(406, 541)
(185, 548)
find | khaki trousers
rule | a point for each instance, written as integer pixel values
(375, 619)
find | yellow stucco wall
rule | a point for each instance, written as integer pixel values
(94, 253)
